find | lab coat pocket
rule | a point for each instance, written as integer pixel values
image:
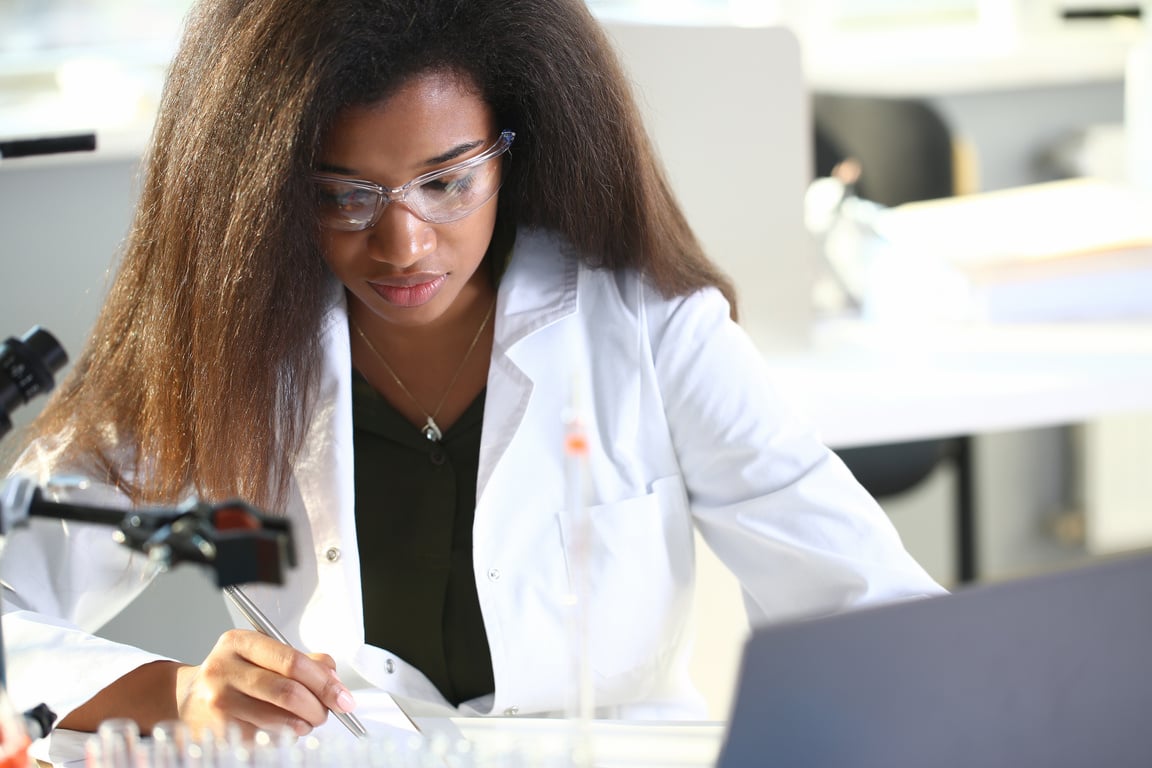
(633, 560)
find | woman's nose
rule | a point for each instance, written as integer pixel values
(401, 238)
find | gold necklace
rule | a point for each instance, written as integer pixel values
(431, 429)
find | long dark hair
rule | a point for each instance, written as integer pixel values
(204, 358)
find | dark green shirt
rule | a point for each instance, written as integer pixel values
(415, 503)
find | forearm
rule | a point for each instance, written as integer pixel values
(147, 695)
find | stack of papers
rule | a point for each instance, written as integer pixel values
(1070, 250)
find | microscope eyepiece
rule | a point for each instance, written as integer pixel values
(27, 366)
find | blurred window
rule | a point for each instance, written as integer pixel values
(84, 65)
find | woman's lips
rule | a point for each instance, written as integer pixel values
(410, 294)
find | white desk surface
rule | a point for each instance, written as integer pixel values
(867, 383)
(614, 744)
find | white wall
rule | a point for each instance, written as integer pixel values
(61, 224)
(727, 109)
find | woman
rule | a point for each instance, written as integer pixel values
(383, 247)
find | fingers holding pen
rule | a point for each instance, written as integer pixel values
(330, 690)
(259, 683)
(239, 683)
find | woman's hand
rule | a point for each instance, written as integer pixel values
(259, 683)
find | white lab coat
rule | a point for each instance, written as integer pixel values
(684, 429)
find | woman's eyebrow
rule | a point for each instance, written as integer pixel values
(453, 153)
(443, 157)
(337, 169)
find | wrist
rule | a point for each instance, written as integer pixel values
(147, 694)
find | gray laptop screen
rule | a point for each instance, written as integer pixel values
(1052, 671)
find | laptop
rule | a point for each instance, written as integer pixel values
(1052, 670)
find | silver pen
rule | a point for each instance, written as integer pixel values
(259, 621)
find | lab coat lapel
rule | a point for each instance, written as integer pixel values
(538, 289)
(325, 481)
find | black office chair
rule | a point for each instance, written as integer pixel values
(904, 149)
(904, 146)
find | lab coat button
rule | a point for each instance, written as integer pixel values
(512, 711)
(493, 574)
(333, 554)
(389, 666)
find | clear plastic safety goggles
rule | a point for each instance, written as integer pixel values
(437, 197)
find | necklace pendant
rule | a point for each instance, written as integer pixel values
(432, 431)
